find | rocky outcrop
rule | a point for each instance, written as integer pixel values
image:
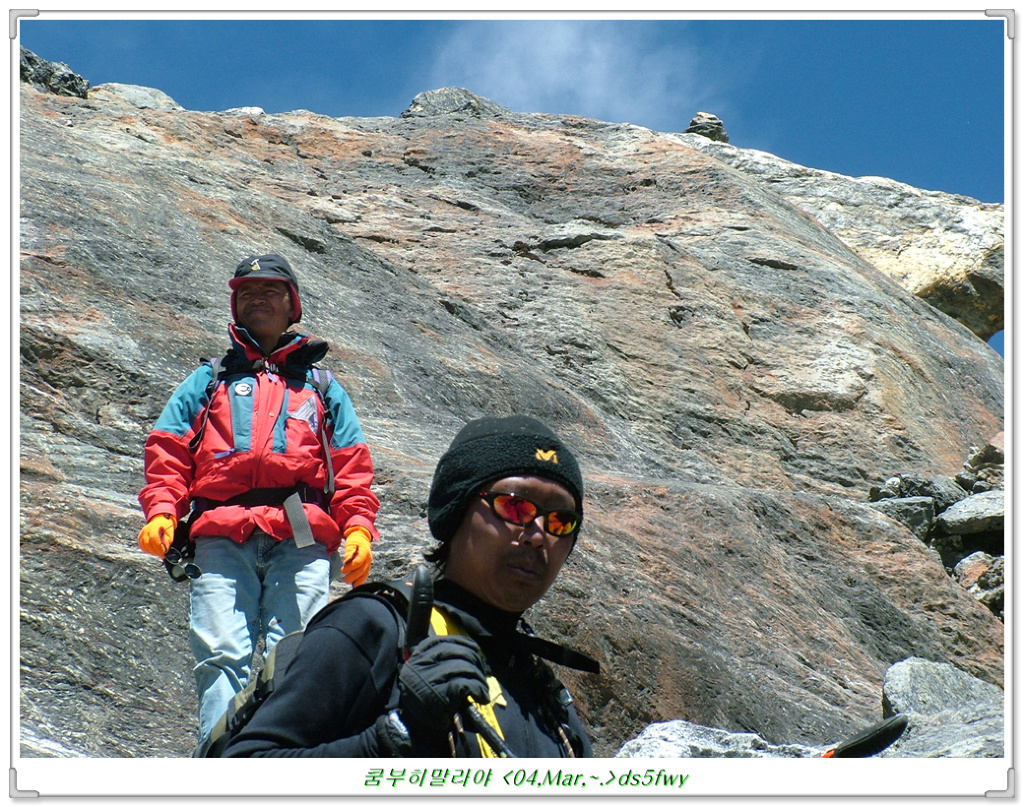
(55, 77)
(140, 97)
(946, 249)
(453, 101)
(709, 126)
(730, 373)
(961, 519)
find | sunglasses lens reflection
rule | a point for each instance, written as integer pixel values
(561, 522)
(515, 509)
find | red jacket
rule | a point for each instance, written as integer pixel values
(263, 431)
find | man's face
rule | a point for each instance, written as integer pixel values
(264, 307)
(506, 565)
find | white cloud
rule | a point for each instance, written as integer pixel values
(612, 71)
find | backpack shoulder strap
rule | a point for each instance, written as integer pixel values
(216, 366)
(393, 596)
(321, 381)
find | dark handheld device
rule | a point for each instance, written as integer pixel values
(873, 740)
(421, 603)
(180, 558)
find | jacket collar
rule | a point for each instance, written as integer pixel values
(479, 618)
(289, 342)
(483, 621)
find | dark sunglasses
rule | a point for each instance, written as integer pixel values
(514, 509)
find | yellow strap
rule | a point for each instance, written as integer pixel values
(445, 625)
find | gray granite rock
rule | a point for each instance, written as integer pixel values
(678, 738)
(982, 512)
(52, 77)
(140, 97)
(709, 126)
(917, 513)
(952, 714)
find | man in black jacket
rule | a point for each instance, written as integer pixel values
(505, 507)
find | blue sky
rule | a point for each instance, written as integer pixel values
(918, 100)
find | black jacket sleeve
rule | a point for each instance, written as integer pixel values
(337, 685)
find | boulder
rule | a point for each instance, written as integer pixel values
(710, 126)
(968, 570)
(917, 513)
(952, 714)
(944, 490)
(983, 576)
(982, 512)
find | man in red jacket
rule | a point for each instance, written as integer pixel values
(276, 474)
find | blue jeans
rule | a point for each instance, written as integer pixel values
(262, 585)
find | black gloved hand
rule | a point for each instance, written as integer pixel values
(435, 682)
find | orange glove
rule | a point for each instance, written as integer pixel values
(358, 556)
(156, 537)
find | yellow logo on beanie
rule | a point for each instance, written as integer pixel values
(255, 265)
(547, 456)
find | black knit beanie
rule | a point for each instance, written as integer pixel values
(494, 448)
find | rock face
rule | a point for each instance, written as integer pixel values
(729, 372)
(946, 249)
(949, 714)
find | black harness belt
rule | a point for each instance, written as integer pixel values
(291, 499)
